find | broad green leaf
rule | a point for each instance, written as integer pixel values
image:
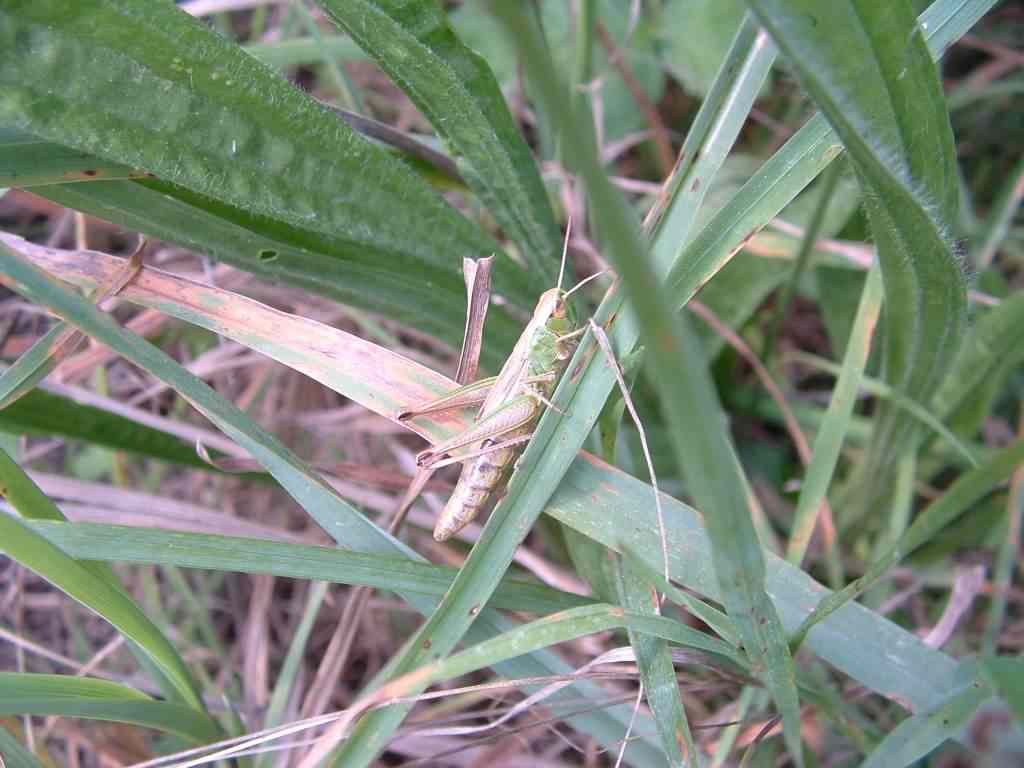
(272, 150)
(26, 161)
(453, 86)
(867, 67)
(342, 522)
(48, 163)
(91, 77)
(118, 543)
(70, 696)
(84, 582)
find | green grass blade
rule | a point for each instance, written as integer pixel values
(305, 50)
(689, 402)
(711, 616)
(829, 440)
(319, 500)
(992, 344)
(31, 367)
(921, 733)
(916, 410)
(44, 413)
(775, 185)
(525, 499)
(955, 501)
(32, 504)
(791, 169)
(853, 640)
(714, 130)
(657, 672)
(87, 583)
(128, 544)
(455, 88)
(15, 755)
(613, 508)
(569, 625)
(297, 648)
(1005, 565)
(347, 96)
(1006, 675)
(867, 67)
(1001, 218)
(69, 696)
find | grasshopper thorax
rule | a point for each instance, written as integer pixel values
(550, 323)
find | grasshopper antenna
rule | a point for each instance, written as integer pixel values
(606, 348)
(565, 250)
(584, 281)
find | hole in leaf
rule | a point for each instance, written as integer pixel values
(268, 254)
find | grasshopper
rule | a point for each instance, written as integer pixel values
(511, 404)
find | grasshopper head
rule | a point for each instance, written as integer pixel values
(553, 310)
